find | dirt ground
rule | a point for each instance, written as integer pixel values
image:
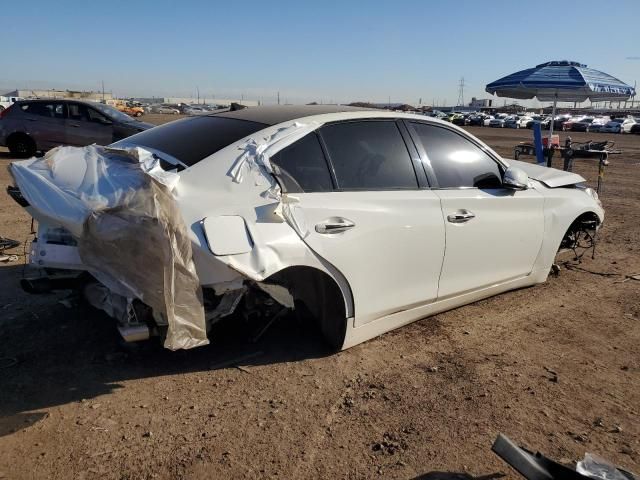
(555, 367)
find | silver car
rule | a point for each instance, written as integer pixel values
(30, 126)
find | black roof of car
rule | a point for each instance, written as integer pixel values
(274, 114)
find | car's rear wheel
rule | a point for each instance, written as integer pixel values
(21, 145)
(317, 298)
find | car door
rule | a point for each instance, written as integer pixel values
(85, 126)
(493, 234)
(367, 212)
(45, 121)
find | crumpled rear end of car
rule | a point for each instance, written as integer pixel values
(117, 207)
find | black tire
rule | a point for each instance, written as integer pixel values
(21, 145)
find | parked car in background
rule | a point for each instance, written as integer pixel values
(365, 185)
(559, 121)
(195, 110)
(475, 120)
(166, 109)
(598, 124)
(628, 123)
(487, 120)
(533, 119)
(613, 126)
(524, 120)
(436, 114)
(512, 121)
(497, 122)
(579, 124)
(458, 119)
(29, 126)
(131, 109)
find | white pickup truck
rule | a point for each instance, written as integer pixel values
(6, 102)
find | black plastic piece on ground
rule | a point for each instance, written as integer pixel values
(532, 466)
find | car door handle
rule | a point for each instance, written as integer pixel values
(334, 225)
(461, 216)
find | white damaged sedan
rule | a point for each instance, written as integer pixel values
(365, 220)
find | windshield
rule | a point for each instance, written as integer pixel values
(112, 113)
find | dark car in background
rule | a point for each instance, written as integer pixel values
(577, 124)
(475, 120)
(29, 126)
(559, 121)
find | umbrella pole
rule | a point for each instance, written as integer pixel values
(553, 116)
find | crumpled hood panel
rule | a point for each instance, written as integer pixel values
(550, 177)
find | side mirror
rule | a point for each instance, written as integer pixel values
(515, 179)
(106, 121)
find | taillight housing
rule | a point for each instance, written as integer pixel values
(5, 111)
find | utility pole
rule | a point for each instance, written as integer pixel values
(278, 98)
(102, 91)
(198, 94)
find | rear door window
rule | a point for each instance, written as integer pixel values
(78, 112)
(456, 161)
(369, 155)
(302, 167)
(45, 109)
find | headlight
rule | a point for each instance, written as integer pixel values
(593, 194)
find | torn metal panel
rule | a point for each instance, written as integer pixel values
(279, 293)
(228, 304)
(256, 152)
(131, 236)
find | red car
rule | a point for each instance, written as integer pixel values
(577, 125)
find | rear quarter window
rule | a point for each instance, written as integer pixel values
(302, 166)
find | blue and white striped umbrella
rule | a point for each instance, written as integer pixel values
(561, 81)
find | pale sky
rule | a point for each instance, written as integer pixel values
(329, 51)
